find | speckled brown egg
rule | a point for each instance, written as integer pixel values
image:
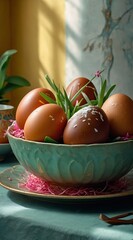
(119, 110)
(76, 85)
(88, 125)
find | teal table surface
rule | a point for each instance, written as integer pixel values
(25, 218)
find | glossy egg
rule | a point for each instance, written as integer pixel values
(76, 85)
(48, 120)
(119, 110)
(88, 125)
(30, 102)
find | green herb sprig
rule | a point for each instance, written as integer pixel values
(63, 100)
(9, 83)
(104, 93)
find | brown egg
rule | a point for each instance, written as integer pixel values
(88, 125)
(30, 102)
(119, 110)
(48, 120)
(76, 85)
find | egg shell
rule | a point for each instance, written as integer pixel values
(30, 102)
(47, 120)
(119, 110)
(88, 125)
(76, 85)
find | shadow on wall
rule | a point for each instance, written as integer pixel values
(24, 32)
(37, 32)
(99, 36)
(53, 28)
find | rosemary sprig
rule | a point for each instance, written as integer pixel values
(101, 96)
(47, 98)
(63, 100)
(104, 93)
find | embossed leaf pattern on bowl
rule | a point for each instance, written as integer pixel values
(77, 164)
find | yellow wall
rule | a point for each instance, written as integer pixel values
(37, 31)
(4, 25)
(5, 29)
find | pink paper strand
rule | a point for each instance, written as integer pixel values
(35, 184)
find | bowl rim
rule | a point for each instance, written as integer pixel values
(70, 145)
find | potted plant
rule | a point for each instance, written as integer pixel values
(9, 83)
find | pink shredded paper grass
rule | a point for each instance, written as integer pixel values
(16, 131)
(19, 133)
(38, 185)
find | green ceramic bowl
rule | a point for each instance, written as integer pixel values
(74, 164)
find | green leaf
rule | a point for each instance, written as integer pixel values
(47, 98)
(2, 78)
(8, 88)
(62, 99)
(4, 61)
(109, 92)
(94, 102)
(49, 140)
(102, 92)
(17, 80)
(75, 109)
(8, 53)
(5, 57)
(68, 105)
(5, 89)
(80, 90)
(8, 83)
(86, 97)
(59, 94)
(51, 83)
